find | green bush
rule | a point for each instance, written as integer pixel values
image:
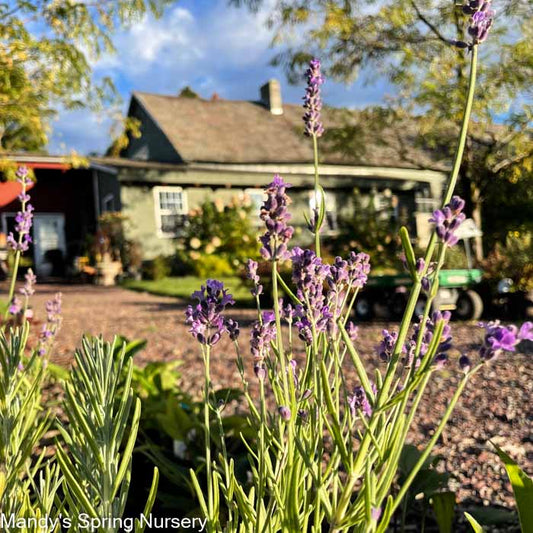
(157, 268)
(513, 260)
(218, 239)
(371, 228)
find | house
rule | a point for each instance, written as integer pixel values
(68, 201)
(191, 149)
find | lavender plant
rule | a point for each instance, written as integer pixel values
(28, 480)
(99, 439)
(93, 470)
(328, 445)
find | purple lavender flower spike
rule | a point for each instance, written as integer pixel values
(251, 273)
(30, 281)
(500, 338)
(359, 401)
(24, 218)
(352, 330)
(262, 334)
(313, 100)
(275, 214)
(205, 318)
(448, 219)
(232, 327)
(15, 307)
(386, 347)
(481, 20)
(52, 325)
(309, 274)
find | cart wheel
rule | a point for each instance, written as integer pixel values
(364, 308)
(469, 306)
(397, 306)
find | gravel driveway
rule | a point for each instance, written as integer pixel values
(497, 404)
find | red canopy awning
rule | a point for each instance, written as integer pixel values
(9, 191)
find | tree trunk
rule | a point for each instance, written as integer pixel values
(475, 197)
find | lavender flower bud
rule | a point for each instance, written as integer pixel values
(440, 361)
(359, 402)
(260, 371)
(464, 364)
(15, 307)
(24, 218)
(30, 280)
(52, 326)
(285, 413)
(232, 327)
(306, 394)
(251, 273)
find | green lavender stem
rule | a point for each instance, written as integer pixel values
(317, 211)
(207, 386)
(415, 291)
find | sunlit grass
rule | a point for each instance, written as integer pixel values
(183, 287)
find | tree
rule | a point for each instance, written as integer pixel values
(46, 50)
(412, 44)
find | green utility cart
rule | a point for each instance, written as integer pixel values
(386, 296)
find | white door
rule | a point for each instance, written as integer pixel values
(48, 234)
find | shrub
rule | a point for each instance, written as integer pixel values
(513, 260)
(157, 268)
(222, 231)
(371, 228)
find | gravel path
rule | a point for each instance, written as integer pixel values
(497, 404)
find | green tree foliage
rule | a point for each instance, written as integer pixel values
(410, 43)
(46, 52)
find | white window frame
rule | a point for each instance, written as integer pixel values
(251, 192)
(161, 212)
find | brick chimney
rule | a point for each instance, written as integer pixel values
(271, 97)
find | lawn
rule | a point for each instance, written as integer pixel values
(183, 287)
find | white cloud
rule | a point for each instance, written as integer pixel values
(207, 45)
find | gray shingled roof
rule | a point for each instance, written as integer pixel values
(228, 131)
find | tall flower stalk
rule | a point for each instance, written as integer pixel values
(314, 129)
(24, 220)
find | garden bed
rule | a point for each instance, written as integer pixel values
(496, 404)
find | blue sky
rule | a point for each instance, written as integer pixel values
(201, 43)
